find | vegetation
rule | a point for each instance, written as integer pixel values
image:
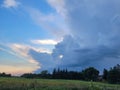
(88, 74)
(64, 80)
(105, 74)
(5, 75)
(52, 84)
(114, 75)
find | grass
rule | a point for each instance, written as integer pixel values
(49, 84)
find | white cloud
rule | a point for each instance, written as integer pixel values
(23, 50)
(25, 63)
(52, 22)
(59, 6)
(20, 51)
(45, 42)
(10, 3)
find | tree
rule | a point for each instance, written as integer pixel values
(5, 75)
(44, 74)
(29, 75)
(105, 74)
(114, 74)
(90, 74)
(54, 74)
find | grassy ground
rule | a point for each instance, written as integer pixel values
(45, 84)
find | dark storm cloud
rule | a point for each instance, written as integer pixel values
(93, 22)
(94, 39)
(45, 59)
(75, 56)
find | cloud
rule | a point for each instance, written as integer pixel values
(45, 42)
(33, 57)
(17, 59)
(53, 23)
(92, 39)
(23, 50)
(59, 6)
(90, 30)
(45, 59)
(93, 21)
(94, 34)
(90, 20)
(10, 3)
(75, 57)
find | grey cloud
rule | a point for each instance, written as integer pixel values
(76, 56)
(90, 19)
(45, 60)
(95, 27)
(95, 40)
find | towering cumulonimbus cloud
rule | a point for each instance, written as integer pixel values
(94, 40)
(75, 57)
(93, 22)
(94, 26)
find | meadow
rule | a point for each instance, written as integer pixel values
(50, 84)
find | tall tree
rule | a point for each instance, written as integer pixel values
(90, 74)
(114, 74)
(105, 74)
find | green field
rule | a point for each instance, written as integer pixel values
(49, 84)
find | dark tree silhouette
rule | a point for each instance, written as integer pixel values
(44, 74)
(105, 74)
(114, 74)
(5, 75)
(90, 74)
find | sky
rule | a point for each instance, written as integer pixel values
(38, 35)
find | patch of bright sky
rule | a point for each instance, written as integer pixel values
(16, 26)
(9, 59)
(42, 5)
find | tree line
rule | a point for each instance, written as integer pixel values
(5, 75)
(112, 75)
(88, 74)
